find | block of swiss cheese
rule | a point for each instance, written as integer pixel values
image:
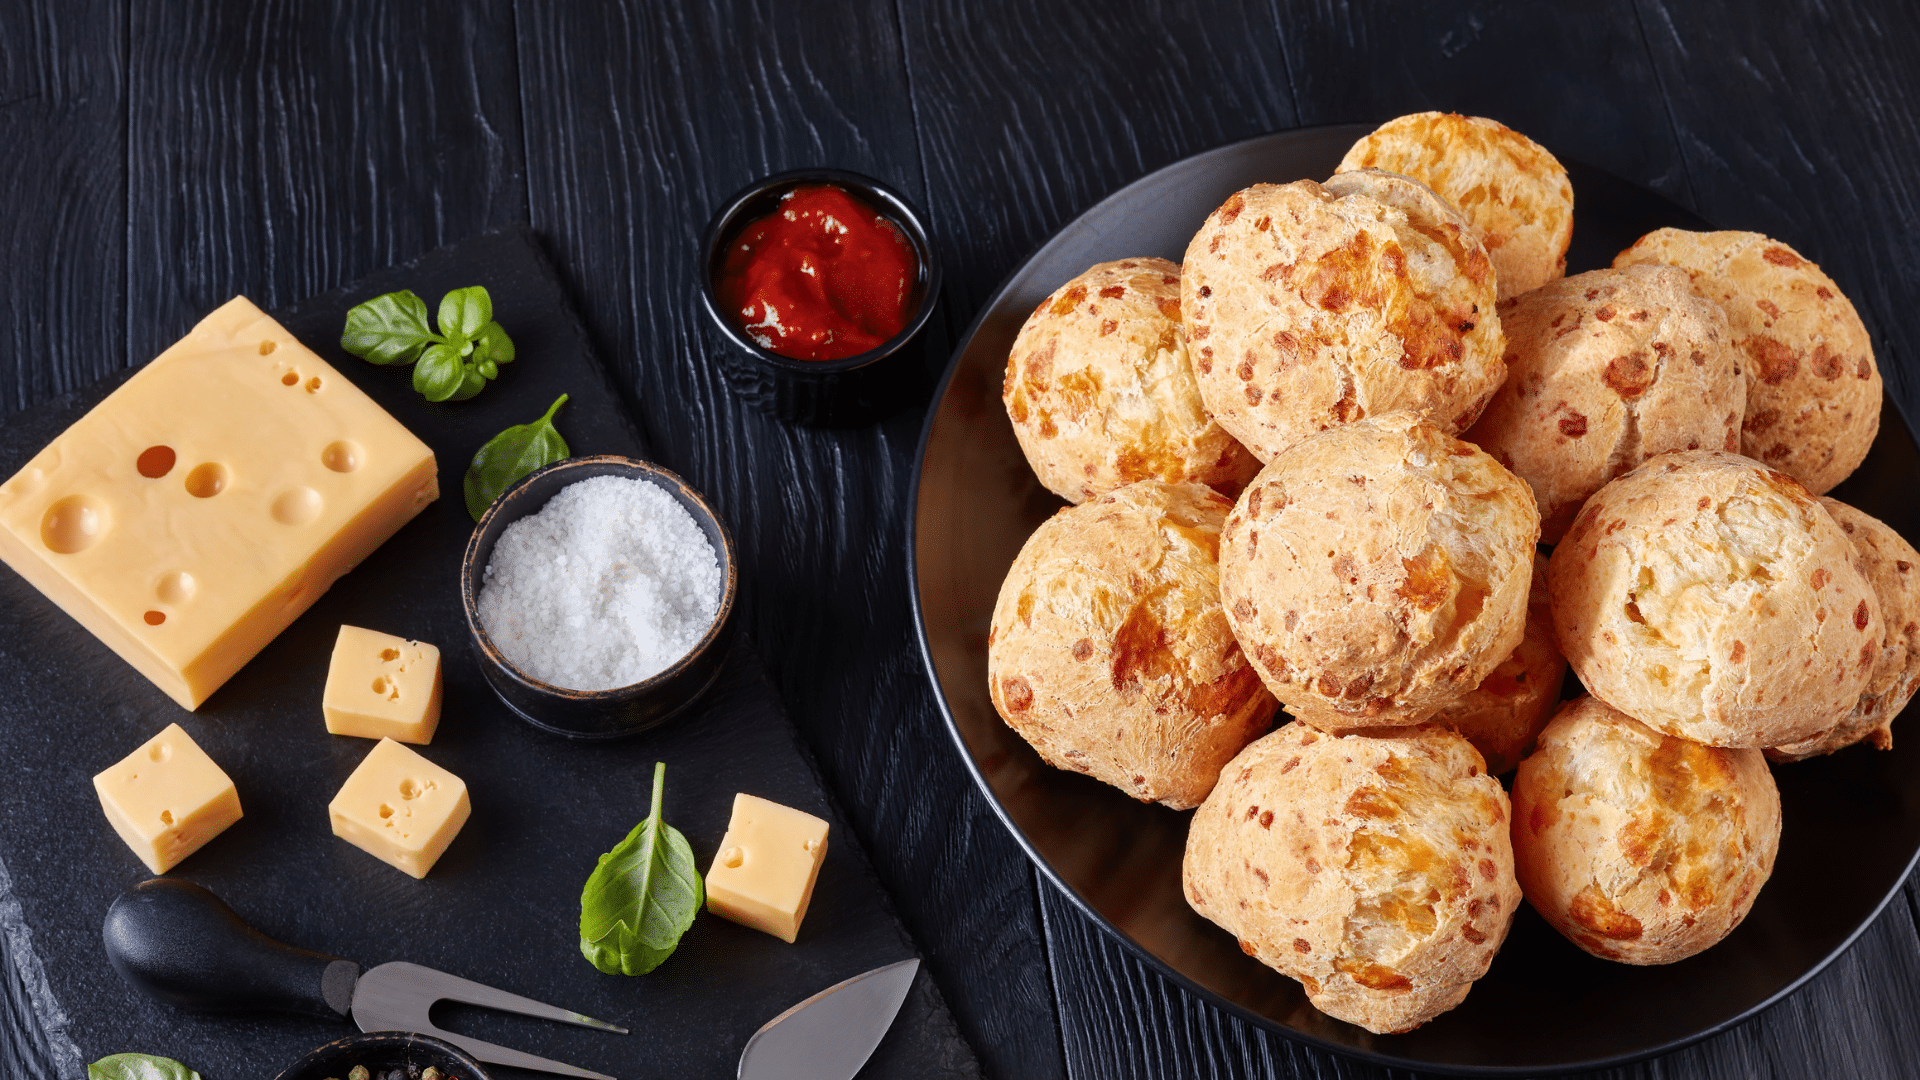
(202, 507)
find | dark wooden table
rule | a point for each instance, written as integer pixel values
(158, 159)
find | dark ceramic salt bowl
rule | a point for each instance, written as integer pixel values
(827, 393)
(625, 710)
(383, 1050)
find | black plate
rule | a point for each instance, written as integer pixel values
(1851, 821)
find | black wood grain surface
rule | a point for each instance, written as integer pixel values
(159, 158)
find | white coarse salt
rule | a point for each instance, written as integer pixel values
(608, 584)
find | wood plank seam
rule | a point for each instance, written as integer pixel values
(1666, 104)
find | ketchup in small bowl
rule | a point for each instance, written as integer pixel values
(817, 284)
(823, 277)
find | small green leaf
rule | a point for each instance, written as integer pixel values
(390, 329)
(471, 383)
(641, 897)
(139, 1067)
(439, 373)
(492, 343)
(464, 311)
(488, 369)
(511, 455)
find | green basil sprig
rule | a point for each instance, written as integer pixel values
(511, 455)
(139, 1067)
(641, 897)
(454, 364)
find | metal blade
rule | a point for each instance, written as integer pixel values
(398, 997)
(831, 1034)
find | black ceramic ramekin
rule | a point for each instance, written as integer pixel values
(625, 710)
(824, 393)
(381, 1051)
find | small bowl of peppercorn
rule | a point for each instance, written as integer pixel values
(387, 1055)
(819, 284)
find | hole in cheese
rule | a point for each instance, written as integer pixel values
(409, 789)
(155, 618)
(73, 524)
(166, 817)
(386, 811)
(291, 378)
(341, 456)
(389, 655)
(159, 752)
(380, 685)
(313, 385)
(266, 348)
(207, 480)
(732, 858)
(297, 506)
(155, 462)
(176, 587)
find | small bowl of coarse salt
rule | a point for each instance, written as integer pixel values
(598, 591)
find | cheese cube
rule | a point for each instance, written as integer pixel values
(764, 872)
(199, 509)
(400, 808)
(167, 798)
(382, 687)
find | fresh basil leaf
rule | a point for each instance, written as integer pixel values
(511, 455)
(464, 311)
(492, 343)
(139, 1067)
(488, 369)
(471, 383)
(641, 896)
(390, 329)
(438, 374)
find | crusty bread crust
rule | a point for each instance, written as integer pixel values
(1813, 388)
(1711, 597)
(1101, 394)
(1502, 716)
(1892, 567)
(1374, 868)
(1641, 847)
(1376, 572)
(1307, 307)
(1514, 192)
(1108, 650)
(1604, 370)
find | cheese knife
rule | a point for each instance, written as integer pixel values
(830, 1035)
(180, 944)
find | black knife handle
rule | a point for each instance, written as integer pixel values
(182, 945)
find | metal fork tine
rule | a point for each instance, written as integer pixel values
(502, 1055)
(440, 986)
(399, 996)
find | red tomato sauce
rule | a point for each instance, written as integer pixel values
(823, 277)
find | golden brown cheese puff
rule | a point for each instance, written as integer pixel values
(1641, 847)
(1307, 307)
(1514, 192)
(1377, 869)
(1604, 370)
(1813, 389)
(1377, 572)
(1711, 597)
(1502, 715)
(1108, 650)
(1892, 567)
(1101, 394)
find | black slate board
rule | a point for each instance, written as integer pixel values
(502, 904)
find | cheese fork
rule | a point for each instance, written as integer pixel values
(179, 943)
